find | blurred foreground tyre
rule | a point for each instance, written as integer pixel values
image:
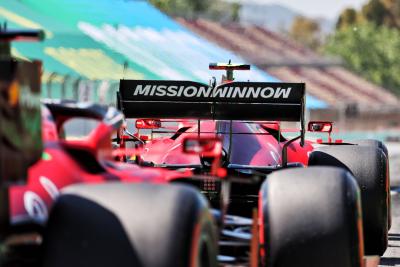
(368, 164)
(135, 225)
(312, 218)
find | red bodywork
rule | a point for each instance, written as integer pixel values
(252, 144)
(66, 162)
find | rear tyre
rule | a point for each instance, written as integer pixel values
(130, 225)
(368, 164)
(311, 217)
(380, 145)
(373, 143)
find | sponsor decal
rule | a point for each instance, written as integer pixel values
(35, 207)
(34, 204)
(226, 91)
(49, 186)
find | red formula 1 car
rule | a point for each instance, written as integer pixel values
(65, 200)
(277, 201)
(81, 207)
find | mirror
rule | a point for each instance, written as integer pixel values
(78, 128)
(320, 126)
(148, 123)
(206, 147)
(273, 125)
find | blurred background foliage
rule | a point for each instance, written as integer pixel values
(371, 50)
(368, 40)
(212, 9)
(306, 31)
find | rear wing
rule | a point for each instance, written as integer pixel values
(256, 101)
(7, 36)
(21, 35)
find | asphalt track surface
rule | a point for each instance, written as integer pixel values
(392, 254)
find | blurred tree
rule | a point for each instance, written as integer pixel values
(160, 4)
(379, 12)
(235, 11)
(375, 11)
(347, 18)
(186, 8)
(370, 50)
(199, 6)
(392, 19)
(306, 31)
(219, 10)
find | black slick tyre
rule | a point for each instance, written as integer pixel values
(135, 225)
(380, 145)
(368, 164)
(311, 217)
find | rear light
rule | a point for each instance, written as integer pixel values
(209, 185)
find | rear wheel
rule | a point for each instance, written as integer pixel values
(380, 145)
(130, 225)
(373, 143)
(311, 217)
(368, 164)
